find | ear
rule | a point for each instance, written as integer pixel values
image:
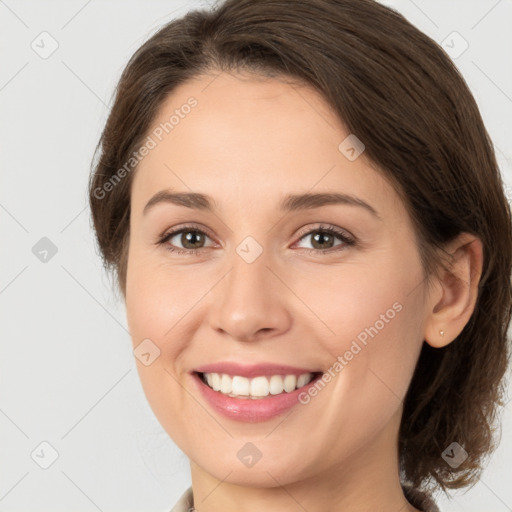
(456, 290)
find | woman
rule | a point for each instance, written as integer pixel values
(363, 371)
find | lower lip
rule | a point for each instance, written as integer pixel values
(251, 410)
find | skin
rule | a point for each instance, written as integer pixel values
(248, 142)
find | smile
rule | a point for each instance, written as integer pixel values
(253, 399)
(256, 388)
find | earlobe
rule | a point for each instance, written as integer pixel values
(440, 338)
(450, 309)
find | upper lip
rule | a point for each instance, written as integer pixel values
(253, 370)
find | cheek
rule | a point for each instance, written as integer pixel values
(371, 322)
(155, 301)
(154, 310)
(161, 306)
(372, 317)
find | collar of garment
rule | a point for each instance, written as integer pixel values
(420, 500)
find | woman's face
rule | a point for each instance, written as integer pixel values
(268, 286)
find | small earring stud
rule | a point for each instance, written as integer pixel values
(441, 333)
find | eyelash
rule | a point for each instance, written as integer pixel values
(347, 239)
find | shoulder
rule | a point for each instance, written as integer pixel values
(185, 502)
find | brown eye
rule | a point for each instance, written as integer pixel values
(191, 240)
(323, 239)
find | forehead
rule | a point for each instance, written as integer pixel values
(250, 137)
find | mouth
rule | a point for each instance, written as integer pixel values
(258, 387)
(257, 398)
(254, 392)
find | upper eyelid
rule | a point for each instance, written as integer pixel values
(325, 227)
(191, 227)
(307, 230)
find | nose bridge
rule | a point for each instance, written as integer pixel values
(249, 301)
(250, 265)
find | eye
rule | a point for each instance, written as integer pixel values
(192, 239)
(190, 236)
(324, 236)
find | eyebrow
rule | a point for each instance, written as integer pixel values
(290, 203)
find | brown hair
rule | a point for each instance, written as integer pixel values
(397, 91)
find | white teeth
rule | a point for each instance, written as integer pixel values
(302, 381)
(240, 385)
(225, 384)
(216, 381)
(276, 384)
(290, 381)
(258, 387)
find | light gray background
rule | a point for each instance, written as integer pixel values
(67, 373)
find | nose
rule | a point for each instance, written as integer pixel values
(251, 302)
